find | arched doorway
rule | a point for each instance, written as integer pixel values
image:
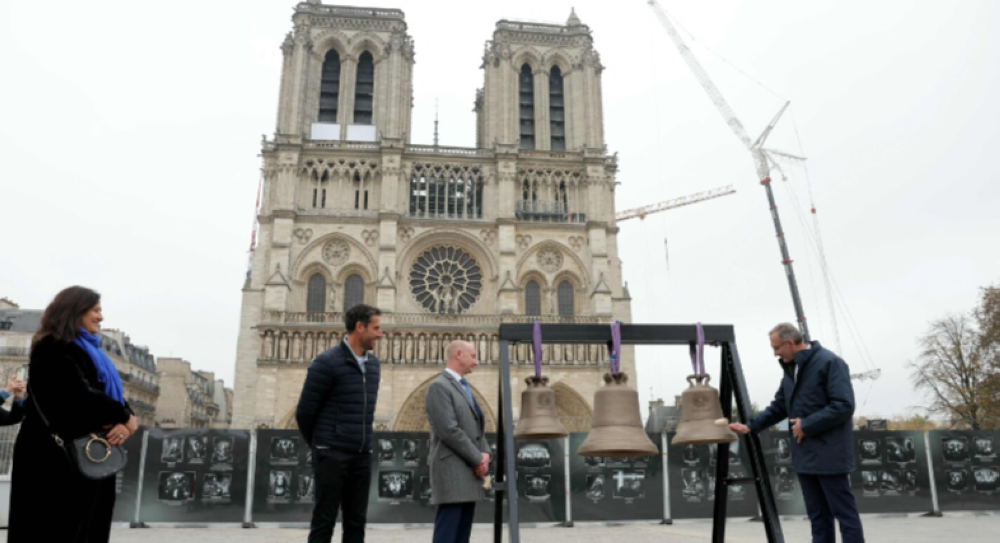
(413, 416)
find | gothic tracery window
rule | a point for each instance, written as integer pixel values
(364, 89)
(329, 91)
(565, 293)
(532, 298)
(316, 294)
(354, 291)
(446, 191)
(526, 99)
(446, 280)
(557, 111)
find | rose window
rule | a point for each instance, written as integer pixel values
(446, 280)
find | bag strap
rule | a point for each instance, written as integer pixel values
(55, 436)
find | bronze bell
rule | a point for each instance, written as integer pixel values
(616, 428)
(701, 416)
(538, 412)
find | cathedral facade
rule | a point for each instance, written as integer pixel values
(448, 242)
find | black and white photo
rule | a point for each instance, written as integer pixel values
(910, 480)
(784, 486)
(307, 488)
(395, 485)
(870, 483)
(958, 479)
(693, 480)
(386, 451)
(284, 451)
(537, 487)
(900, 449)
(692, 454)
(629, 484)
(222, 450)
(870, 451)
(176, 486)
(411, 451)
(955, 449)
(534, 455)
(594, 461)
(737, 491)
(197, 449)
(279, 488)
(984, 447)
(783, 449)
(595, 486)
(216, 488)
(986, 478)
(425, 488)
(173, 450)
(891, 482)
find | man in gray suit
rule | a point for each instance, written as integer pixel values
(459, 456)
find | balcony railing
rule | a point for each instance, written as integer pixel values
(15, 351)
(426, 319)
(546, 211)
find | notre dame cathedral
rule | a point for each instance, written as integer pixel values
(448, 242)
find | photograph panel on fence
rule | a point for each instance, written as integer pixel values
(222, 451)
(734, 453)
(385, 451)
(955, 449)
(307, 488)
(910, 481)
(984, 448)
(216, 488)
(870, 451)
(870, 483)
(534, 455)
(537, 487)
(595, 487)
(425, 488)
(629, 484)
(891, 482)
(197, 449)
(986, 479)
(284, 451)
(783, 450)
(737, 491)
(784, 486)
(395, 485)
(279, 488)
(594, 462)
(692, 455)
(694, 484)
(710, 485)
(900, 450)
(411, 451)
(173, 450)
(957, 479)
(176, 487)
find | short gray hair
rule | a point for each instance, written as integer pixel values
(787, 331)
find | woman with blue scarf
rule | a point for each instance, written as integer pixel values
(77, 387)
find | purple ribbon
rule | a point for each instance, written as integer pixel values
(536, 343)
(698, 352)
(615, 347)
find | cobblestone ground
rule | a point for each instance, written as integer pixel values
(951, 528)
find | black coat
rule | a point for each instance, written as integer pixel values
(50, 500)
(12, 417)
(337, 405)
(822, 396)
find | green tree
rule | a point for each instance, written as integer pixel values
(958, 365)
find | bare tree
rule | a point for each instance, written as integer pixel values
(954, 369)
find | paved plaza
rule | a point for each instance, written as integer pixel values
(913, 529)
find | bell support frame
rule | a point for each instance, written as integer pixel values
(732, 387)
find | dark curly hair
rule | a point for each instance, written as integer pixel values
(61, 319)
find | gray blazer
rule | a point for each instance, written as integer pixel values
(457, 443)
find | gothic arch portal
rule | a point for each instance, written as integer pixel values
(413, 416)
(574, 412)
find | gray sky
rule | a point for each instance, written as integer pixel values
(130, 131)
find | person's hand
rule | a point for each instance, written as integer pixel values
(739, 428)
(19, 389)
(484, 466)
(117, 433)
(797, 430)
(11, 385)
(132, 424)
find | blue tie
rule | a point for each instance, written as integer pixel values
(468, 393)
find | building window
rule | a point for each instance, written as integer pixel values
(364, 90)
(446, 191)
(319, 189)
(532, 299)
(565, 293)
(526, 95)
(329, 90)
(354, 291)
(446, 280)
(557, 110)
(360, 192)
(316, 294)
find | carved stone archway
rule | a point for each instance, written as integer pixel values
(413, 416)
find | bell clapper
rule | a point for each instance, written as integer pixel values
(722, 422)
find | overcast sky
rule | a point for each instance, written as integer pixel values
(129, 134)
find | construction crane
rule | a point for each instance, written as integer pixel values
(763, 159)
(641, 212)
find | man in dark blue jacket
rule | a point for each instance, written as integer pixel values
(335, 415)
(817, 398)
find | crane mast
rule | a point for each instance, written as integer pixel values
(756, 149)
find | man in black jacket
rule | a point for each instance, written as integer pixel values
(335, 415)
(817, 398)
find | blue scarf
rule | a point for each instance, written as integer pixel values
(107, 374)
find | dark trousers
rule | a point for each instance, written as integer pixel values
(342, 480)
(829, 497)
(453, 523)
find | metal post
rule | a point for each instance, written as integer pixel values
(664, 459)
(251, 475)
(142, 471)
(507, 438)
(722, 462)
(499, 472)
(935, 505)
(569, 498)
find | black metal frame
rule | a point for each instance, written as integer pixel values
(732, 386)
